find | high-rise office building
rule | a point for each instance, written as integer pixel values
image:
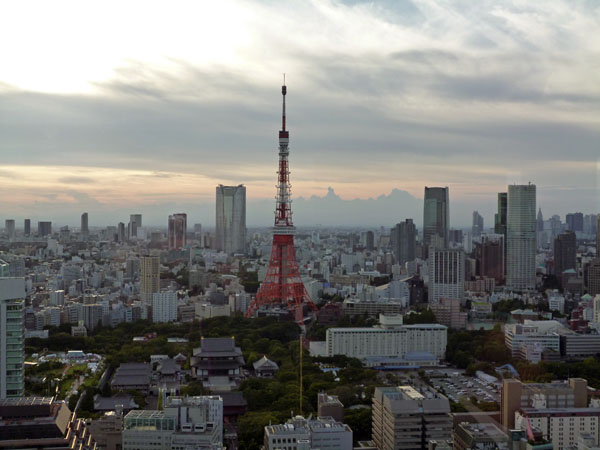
(84, 225)
(9, 226)
(598, 236)
(231, 219)
(477, 227)
(121, 232)
(490, 257)
(436, 216)
(135, 222)
(565, 252)
(44, 229)
(403, 239)
(539, 229)
(12, 319)
(446, 274)
(177, 230)
(27, 227)
(149, 278)
(500, 216)
(521, 226)
(575, 221)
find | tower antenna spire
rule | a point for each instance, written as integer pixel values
(283, 92)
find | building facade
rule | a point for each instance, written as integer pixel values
(446, 274)
(521, 237)
(403, 239)
(231, 219)
(164, 306)
(407, 419)
(177, 231)
(149, 277)
(12, 342)
(436, 215)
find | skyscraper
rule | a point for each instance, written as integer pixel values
(231, 219)
(84, 226)
(27, 227)
(177, 231)
(403, 237)
(539, 229)
(9, 225)
(436, 216)
(490, 257)
(477, 227)
(44, 229)
(565, 252)
(149, 278)
(12, 318)
(446, 274)
(521, 231)
(575, 221)
(135, 222)
(500, 216)
(598, 236)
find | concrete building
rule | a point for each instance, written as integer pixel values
(436, 216)
(515, 395)
(479, 436)
(401, 344)
(403, 240)
(593, 277)
(149, 277)
(135, 223)
(308, 434)
(177, 231)
(44, 229)
(41, 423)
(231, 219)
(446, 269)
(561, 426)
(352, 307)
(164, 306)
(531, 332)
(477, 226)
(408, 419)
(565, 253)
(490, 257)
(27, 227)
(447, 312)
(521, 237)
(330, 406)
(9, 228)
(184, 423)
(12, 342)
(84, 230)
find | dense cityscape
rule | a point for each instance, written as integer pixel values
(444, 294)
(134, 337)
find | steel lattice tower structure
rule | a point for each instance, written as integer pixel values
(283, 285)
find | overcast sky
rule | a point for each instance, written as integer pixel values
(117, 107)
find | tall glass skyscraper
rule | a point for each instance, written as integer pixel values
(231, 219)
(12, 317)
(436, 216)
(521, 237)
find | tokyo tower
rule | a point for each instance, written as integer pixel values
(283, 285)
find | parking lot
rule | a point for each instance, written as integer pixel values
(456, 386)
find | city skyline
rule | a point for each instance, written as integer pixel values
(470, 98)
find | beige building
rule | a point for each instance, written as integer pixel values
(405, 418)
(447, 312)
(149, 278)
(516, 395)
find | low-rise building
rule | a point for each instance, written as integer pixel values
(407, 418)
(218, 363)
(308, 434)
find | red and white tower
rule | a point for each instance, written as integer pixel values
(283, 285)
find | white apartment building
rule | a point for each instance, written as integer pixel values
(397, 341)
(322, 433)
(561, 426)
(446, 270)
(521, 237)
(164, 306)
